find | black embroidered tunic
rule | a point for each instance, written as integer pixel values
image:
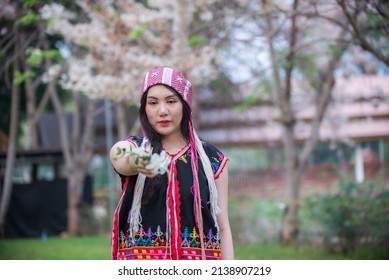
(152, 241)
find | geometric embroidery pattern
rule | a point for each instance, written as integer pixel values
(149, 245)
(149, 238)
(163, 253)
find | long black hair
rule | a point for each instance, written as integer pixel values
(154, 137)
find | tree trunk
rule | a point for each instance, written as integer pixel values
(290, 223)
(9, 167)
(70, 164)
(281, 96)
(75, 189)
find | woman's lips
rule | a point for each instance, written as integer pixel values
(164, 123)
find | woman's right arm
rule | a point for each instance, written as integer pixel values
(125, 164)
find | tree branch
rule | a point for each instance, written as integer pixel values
(363, 43)
(42, 104)
(291, 55)
(325, 87)
(276, 82)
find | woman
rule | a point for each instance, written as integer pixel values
(183, 213)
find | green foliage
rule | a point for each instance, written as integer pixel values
(334, 51)
(138, 31)
(379, 216)
(307, 67)
(260, 93)
(35, 58)
(29, 3)
(196, 40)
(30, 18)
(121, 152)
(352, 216)
(374, 25)
(249, 101)
(50, 23)
(282, 54)
(20, 77)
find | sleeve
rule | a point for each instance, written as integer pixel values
(216, 157)
(136, 140)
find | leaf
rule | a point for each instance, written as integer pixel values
(260, 93)
(35, 59)
(196, 40)
(29, 3)
(54, 55)
(50, 23)
(120, 151)
(138, 31)
(30, 19)
(20, 77)
(334, 51)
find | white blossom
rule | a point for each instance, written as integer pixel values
(159, 163)
(56, 11)
(52, 73)
(125, 40)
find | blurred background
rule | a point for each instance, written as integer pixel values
(294, 92)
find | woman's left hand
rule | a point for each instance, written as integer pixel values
(141, 166)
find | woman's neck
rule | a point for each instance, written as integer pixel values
(173, 145)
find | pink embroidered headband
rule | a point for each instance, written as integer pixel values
(170, 77)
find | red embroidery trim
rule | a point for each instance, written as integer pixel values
(115, 228)
(221, 167)
(162, 253)
(174, 203)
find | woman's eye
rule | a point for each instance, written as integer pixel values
(152, 103)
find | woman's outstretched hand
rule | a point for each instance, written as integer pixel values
(130, 160)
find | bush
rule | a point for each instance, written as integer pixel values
(354, 215)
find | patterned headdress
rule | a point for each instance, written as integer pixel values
(176, 80)
(169, 77)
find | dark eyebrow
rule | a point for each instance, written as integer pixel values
(171, 96)
(167, 97)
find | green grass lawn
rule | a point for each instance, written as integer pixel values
(56, 248)
(98, 248)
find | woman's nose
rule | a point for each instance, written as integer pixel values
(163, 109)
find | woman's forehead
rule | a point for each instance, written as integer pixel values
(161, 92)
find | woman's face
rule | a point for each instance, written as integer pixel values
(164, 111)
